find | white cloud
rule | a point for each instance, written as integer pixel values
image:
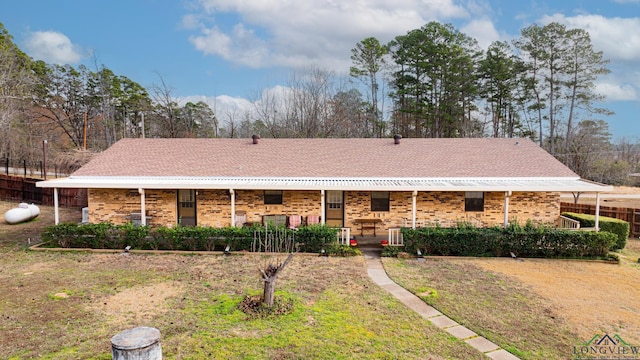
(52, 47)
(306, 32)
(240, 46)
(222, 105)
(618, 38)
(482, 30)
(617, 92)
(191, 22)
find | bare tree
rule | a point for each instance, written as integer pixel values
(16, 83)
(270, 110)
(269, 275)
(313, 90)
(165, 110)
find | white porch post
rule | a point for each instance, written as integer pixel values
(322, 215)
(55, 206)
(507, 196)
(143, 207)
(414, 197)
(233, 207)
(597, 211)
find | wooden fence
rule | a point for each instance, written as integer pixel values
(23, 189)
(630, 215)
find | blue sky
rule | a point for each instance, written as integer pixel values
(226, 52)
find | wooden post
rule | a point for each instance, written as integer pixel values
(140, 343)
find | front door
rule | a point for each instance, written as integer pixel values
(334, 208)
(187, 207)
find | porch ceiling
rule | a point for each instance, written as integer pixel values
(565, 184)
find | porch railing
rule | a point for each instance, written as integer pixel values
(344, 235)
(395, 237)
(567, 223)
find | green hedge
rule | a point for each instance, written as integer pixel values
(619, 227)
(314, 238)
(108, 236)
(524, 241)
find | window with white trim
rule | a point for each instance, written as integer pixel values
(334, 199)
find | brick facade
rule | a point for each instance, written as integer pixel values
(114, 205)
(214, 207)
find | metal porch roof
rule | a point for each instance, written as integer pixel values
(563, 184)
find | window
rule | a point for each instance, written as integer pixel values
(334, 200)
(379, 201)
(474, 201)
(187, 198)
(273, 197)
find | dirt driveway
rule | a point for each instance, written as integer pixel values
(593, 297)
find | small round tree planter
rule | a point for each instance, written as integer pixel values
(140, 343)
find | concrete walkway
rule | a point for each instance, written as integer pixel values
(379, 276)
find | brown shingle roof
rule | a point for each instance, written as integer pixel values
(326, 158)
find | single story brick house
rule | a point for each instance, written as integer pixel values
(365, 185)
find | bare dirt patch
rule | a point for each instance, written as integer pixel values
(139, 304)
(593, 297)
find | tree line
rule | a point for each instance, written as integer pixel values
(434, 81)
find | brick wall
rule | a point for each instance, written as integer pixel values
(214, 207)
(114, 205)
(302, 203)
(447, 208)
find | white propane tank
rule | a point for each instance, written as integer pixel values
(24, 212)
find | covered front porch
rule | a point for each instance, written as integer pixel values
(364, 206)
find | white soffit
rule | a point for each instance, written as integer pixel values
(355, 184)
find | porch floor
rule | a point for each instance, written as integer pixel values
(370, 241)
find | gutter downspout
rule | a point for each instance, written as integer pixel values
(143, 209)
(322, 209)
(507, 196)
(414, 197)
(597, 211)
(233, 207)
(55, 206)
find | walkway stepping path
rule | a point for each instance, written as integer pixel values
(379, 276)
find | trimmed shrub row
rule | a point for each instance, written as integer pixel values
(523, 241)
(619, 227)
(108, 236)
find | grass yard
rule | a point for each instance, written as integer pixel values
(68, 305)
(535, 308)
